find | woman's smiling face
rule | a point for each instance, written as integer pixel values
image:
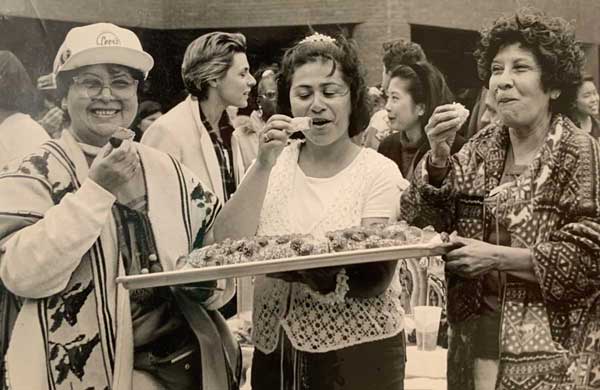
(402, 110)
(516, 81)
(95, 118)
(318, 92)
(587, 99)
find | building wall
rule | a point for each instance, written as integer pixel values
(132, 13)
(387, 19)
(256, 13)
(375, 21)
(472, 14)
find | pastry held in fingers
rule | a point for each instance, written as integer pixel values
(463, 113)
(300, 123)
(122, 134)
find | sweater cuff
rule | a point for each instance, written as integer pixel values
(95, 194)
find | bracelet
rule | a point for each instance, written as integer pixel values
(431, 164)
(339, 294)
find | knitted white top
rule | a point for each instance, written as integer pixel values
(310, 324)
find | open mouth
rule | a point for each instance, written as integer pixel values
(320, 122)
(104, 112)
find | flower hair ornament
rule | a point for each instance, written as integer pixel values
(318, 37)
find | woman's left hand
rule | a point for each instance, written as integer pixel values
(323, 280)
(472, 258)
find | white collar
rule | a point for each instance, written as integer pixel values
(89, 150)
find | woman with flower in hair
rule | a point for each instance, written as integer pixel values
(331, 328)
(523, 195)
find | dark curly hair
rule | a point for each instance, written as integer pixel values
(552, 42)
(401, 52)
(343, 53)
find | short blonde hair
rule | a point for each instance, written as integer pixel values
(208, 58)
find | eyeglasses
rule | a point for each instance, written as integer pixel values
(270, 95)
(92, 87)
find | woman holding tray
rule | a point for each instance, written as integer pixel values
(523, 282)
(88, 207)
(333, 328)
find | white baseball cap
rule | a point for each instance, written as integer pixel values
(102, 43)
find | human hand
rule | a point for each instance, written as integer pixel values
(289, 276)
(322, 280)
(52, 121)
(472, 258)
(113, 167)
(441, 130)
(272, 139)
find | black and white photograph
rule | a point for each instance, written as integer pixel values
(299, 195)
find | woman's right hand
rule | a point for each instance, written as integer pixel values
(272, 139)
(113, 167)
(441, 131)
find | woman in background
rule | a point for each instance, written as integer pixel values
(585, 108)
(414, 91)
(148, 112)
(198, 131)
(19, 133)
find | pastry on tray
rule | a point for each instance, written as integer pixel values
(292, 245)
(257, 249)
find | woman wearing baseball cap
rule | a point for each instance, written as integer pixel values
(91, 206)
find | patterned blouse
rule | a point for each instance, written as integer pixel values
(550, 331)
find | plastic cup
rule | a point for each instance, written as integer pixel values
(427, 325)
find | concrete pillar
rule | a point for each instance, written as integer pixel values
(387, 20)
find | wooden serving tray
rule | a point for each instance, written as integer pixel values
(170, 278)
